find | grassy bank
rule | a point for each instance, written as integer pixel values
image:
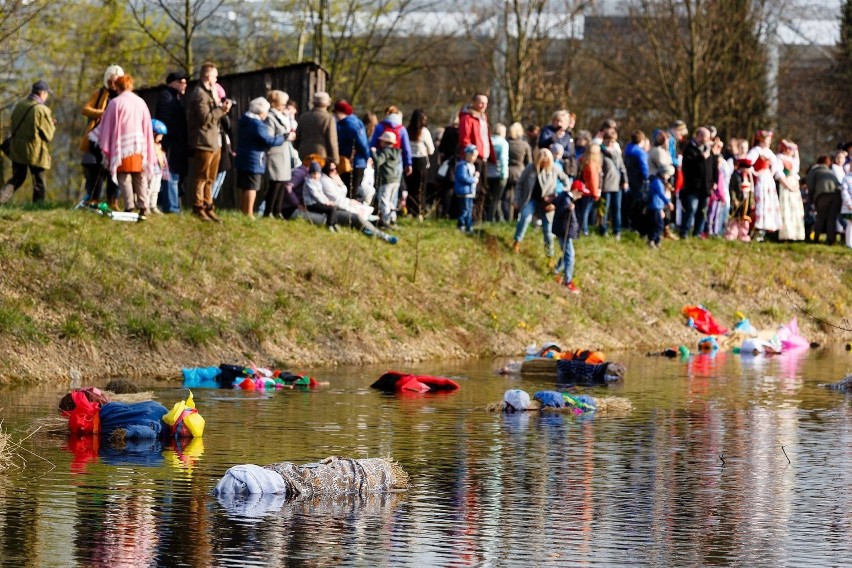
(80, 291)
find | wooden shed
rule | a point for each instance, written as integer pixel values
(300, 81)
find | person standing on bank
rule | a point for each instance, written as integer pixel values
(422, 147)
(353, 146)
(204, 113)
(93, 171)
(32, 128)
(316, 137)
(474, 129)
(255, 141)
(279, 159)
(126, 138)
(171, 112)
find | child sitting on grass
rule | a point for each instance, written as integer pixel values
(464, 187)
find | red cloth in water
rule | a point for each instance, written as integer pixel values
(703, 320)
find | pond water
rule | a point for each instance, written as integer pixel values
(694, 475)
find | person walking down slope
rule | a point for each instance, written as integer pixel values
(32, 128)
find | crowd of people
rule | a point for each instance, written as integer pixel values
(335, 168)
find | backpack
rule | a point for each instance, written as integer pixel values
(396, 129)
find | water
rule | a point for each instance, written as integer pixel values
(695, 475)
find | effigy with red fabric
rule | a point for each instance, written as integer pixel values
(702, 320)
(393, 381)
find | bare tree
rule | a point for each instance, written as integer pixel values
(156, 17)
(699, 60)
(521, 40)
(15, 16)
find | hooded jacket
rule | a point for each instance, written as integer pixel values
(470, 132)
(393, 123)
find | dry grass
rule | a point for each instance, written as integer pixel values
(173, 292)
(6, 455)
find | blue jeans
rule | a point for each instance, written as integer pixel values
(612, 202)
(584, 209)
(657, 225)
(169, 199)
(466, 215)
(566, 264)
(694, 211)
(525, 218)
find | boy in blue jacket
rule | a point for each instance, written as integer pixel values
(657, 201)
(464, 187)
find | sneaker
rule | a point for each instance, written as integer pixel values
(669, 234)
(142, 216)
(391, 240)
(572, 288)
(332, 228)
(618, 237)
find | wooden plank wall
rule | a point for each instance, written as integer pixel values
(300, 81)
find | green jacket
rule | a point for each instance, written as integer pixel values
(31, 142)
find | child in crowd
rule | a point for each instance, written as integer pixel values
(566, 228)
(464, 187)
(388, 164)
(161, 166)
(558, 152)
(741, 188)
(315, 198)
(657, 202)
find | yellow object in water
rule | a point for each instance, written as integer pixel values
(184, 412)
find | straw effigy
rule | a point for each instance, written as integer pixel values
(611, 405)
(331, 477)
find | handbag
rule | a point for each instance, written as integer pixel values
(345, 165)
(6, 145)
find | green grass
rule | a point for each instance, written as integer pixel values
(294, 292)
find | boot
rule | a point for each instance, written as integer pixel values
(516, 247)
(200, 213)
(112, 203)
(669, 234)
(208, 209)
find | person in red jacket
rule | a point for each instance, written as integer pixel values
(474, 130)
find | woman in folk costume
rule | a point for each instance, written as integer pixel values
(126, 139)
(767, 210)
(790, 198)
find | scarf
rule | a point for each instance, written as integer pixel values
(125, 130)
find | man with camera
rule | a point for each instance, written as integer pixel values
(205, 110)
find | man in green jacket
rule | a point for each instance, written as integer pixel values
(32, 128)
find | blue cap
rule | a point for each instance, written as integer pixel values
(159, 127)
(470, 149)
(40, 86)
(314, 168)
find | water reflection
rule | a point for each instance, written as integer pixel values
(696, 475)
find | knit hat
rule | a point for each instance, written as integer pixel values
(557, 148)
(388, 136)
(314, 168)
(343, 107)
(470, 149)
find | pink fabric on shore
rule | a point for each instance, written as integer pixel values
(126, 129)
